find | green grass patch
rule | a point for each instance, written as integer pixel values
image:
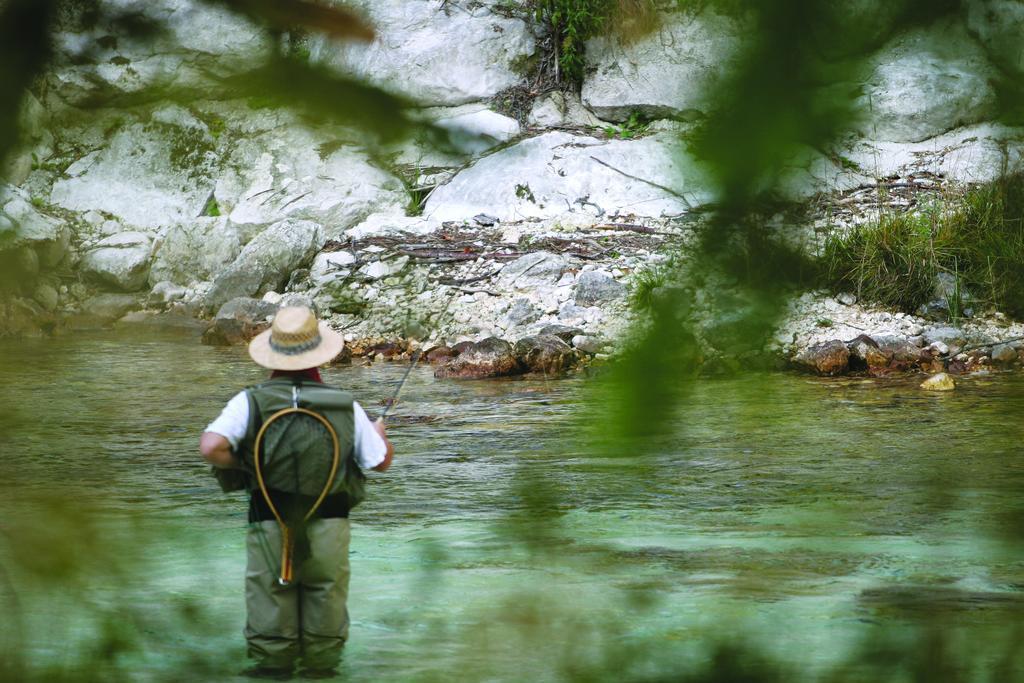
(977, 237)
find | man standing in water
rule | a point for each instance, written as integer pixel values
(304, 621)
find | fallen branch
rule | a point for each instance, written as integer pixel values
(975, 347)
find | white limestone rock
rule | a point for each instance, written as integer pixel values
(927, 82)
(294, 172)
(267, 261)
(195, 251)
(329, 265)
(999, 25)
(202, 41)
(533, 270)
(380, 224)
(667, 73)
(436, 54)
(559, 108)
(22, 224)
(120, 261)
(475, 128)
(556, 173)
(974, 154)
(149, 175)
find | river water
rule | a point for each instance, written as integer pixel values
(791, 528)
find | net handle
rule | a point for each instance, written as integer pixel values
(286, 536)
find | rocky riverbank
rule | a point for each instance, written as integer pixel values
(531, 235)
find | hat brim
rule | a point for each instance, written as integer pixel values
(331, 344)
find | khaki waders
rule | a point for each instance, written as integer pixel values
(307, 620)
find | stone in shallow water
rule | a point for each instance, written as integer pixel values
(828, 358)
(545, 353)
(939, 382)
(1004, 353)
(491, 357)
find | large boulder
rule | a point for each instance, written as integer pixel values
(491, 357)
(149, 174)
(669, 73)
(267, 261)
(999, 25)
(545, 353)
(105, 308)
(927, 82)
(195, 251)
(288, 170)
(199, 43)
(435, 54)
(555, 173)
(120, 261)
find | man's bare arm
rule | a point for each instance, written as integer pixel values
(217, 451)
(386, 463)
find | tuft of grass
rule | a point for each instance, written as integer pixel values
(889, 262)
(634, 126)
(978, 237)
(646, 281)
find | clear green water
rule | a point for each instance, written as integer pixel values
(816, 525)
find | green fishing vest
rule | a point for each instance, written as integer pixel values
(333, 404)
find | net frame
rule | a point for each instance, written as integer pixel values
(287, 540)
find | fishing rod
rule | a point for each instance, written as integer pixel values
(401, 385)
(416, 359)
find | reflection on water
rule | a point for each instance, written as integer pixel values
(809, 521)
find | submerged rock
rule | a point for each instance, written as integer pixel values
(491, 357)
(939, 382)
(828, 358)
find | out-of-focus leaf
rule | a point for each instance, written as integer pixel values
(24, 51)
(321, 95)
(284, 15)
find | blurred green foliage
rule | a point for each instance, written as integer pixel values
(780, 97)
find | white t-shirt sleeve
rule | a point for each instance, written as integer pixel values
(233, 421)
(370, 449)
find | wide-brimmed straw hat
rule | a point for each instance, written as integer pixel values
(295, 341)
